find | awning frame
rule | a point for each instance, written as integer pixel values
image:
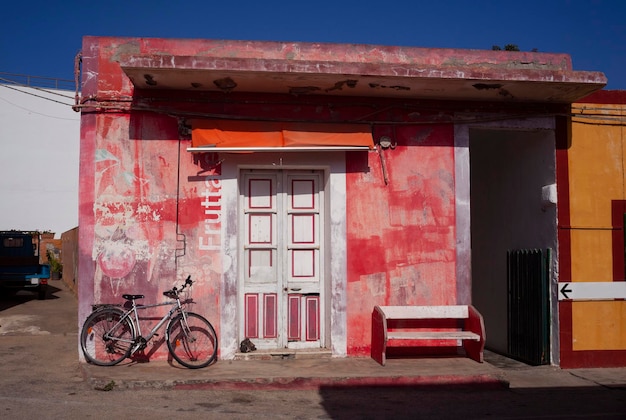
(278, 149)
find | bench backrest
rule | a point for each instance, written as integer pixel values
(425, 312)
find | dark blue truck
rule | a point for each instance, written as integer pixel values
(20, 267)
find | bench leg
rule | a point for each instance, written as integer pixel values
(475, 323)
(379, 343)
(474, 350)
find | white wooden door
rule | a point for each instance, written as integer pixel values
(282, 273)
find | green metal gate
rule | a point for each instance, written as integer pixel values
(528, 334)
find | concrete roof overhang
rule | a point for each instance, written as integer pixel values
(364, 70)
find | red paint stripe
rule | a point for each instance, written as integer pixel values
(294, 318)
(270, 316)
(294, 224)
(251, 315)
(612, 97)
(618, 209)
(294, 265)
(594, 359)
(312, 194)
(563, 141)
(565, 328)
(312, 318)
(251, 195)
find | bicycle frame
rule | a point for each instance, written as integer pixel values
(132, 314)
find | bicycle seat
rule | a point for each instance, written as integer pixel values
(132, 297)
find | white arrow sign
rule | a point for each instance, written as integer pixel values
(592, 290)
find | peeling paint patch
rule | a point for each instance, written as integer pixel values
(149, 80)
(376, 284)
(226, 84)
(302, 90)
(394, 87)
(487, 86)
(420, 137)
(493, 86)
(422, 284)
(504, 92)
(339, 85)
(127, 48)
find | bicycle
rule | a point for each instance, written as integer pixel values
(111, 333)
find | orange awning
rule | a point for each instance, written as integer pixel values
(231, 135)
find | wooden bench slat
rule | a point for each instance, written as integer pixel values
(432, 335)
(425, 312)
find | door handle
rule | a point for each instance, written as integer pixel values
(294, 289)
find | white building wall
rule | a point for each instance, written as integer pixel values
(39, 155)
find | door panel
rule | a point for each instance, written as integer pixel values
(303, 244)
(282, 245)
(260, 212)
(303, 320)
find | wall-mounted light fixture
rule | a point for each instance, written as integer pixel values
(548, 196)
(385, 143)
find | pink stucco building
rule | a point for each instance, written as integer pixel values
(302, 184)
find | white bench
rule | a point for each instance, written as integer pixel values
(441, 325)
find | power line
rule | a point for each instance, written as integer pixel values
(39, 96)
(38, 113)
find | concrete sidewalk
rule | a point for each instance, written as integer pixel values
(315, 373)
(41, 335)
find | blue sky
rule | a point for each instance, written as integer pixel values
(41, 38)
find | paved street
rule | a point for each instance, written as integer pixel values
(40, 377)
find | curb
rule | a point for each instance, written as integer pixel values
(482, 381)
(316, 383)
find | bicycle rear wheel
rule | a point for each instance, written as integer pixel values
(106, 338)
(193, 343)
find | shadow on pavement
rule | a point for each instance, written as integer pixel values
(472, 402)
(9, 300)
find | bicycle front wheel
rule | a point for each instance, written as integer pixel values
(107, 337)
(193, 343)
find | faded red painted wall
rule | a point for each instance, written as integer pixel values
(144, 199)
(133, 212)
(140, 212)
(401, 236)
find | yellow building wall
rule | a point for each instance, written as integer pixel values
(597, 158)
(599, 325)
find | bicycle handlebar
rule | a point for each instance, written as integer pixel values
(173, 293)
